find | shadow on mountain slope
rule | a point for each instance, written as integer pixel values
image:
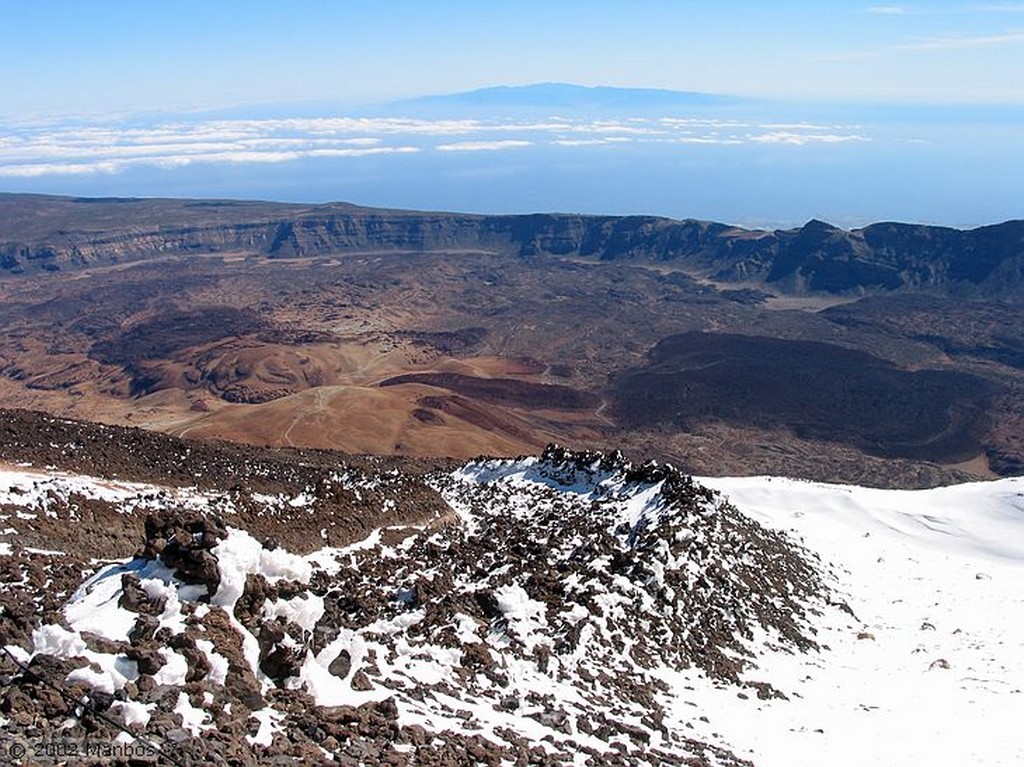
(818, 390)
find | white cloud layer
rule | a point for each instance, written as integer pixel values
(44, 149)
(482, 146)
(960, 42)
(889, 10)
(945, 10)
(996, 7)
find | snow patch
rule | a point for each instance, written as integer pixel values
(174, 671)
(193, 719)
(132, 712)
(270, 724)
(304, 610)
(525, 616)
(218, 663)
(240, 554)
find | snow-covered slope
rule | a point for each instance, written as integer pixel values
(569, 609)
(932, 672)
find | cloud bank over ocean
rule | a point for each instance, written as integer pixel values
(37, 150)
(582, 150)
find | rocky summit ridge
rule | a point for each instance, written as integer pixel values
(534, 616)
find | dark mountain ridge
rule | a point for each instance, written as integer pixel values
(42, 233)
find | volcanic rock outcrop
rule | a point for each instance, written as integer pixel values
(534, 621)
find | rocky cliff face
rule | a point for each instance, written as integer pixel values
(815, 258)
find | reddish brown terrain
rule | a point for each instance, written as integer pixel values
(284, 561)
(890, 356)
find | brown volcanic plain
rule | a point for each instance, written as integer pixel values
(856, 356)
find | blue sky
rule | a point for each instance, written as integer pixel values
(104, 55)
(865, 111)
